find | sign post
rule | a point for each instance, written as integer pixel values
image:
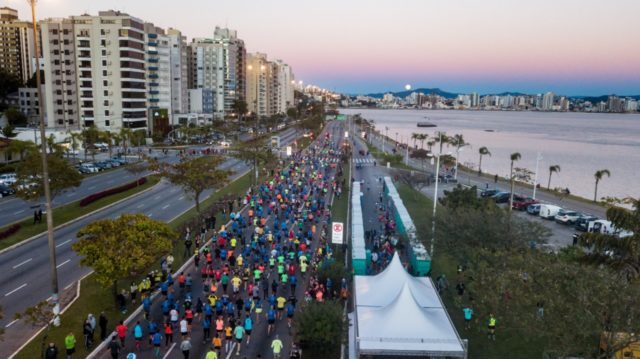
(337, 230)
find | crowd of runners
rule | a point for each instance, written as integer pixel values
(250, 279)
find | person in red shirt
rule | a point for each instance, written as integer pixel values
(121, 329)
(168, 333)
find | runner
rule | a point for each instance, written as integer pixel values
(277, 346)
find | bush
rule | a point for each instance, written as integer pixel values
(7, 168)
(10, 231)
(96, 196)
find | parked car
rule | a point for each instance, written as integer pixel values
(534, 209)
(447, 179)
(103, 165)
(88, 168)
(8, 179)
(6, 191)
(567, 217)
(113, 163)
(225, 143)
(582, 223)
(489, 192)
(120, 160)
(501, 197)
(607, 227)
(522, 203)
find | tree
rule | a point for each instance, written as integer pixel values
(514, 157)
(74, 138)
(8, 131)
(460, 197)
(22, 147)
(137, 169)
(420, 154)
(599, 175)
(90, 136)
(108, 137)
(194, 175)
(9, 83)
(292, 112)
(415, 136)
(256, 153)
(40, 315)
(552, 169)
(51, 143)
(123, 247)
(125, 137)
(483, 151)
(240, 107)
(620, 254)
(15, 117)
(441, 138)
(320, 328)
(29, 184)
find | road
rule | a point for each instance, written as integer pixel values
(260, 341)
(13, 209)
(560, 235)
(26, 280)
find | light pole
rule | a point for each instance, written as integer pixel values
(535, 177)
(455, 174)
(384, 139)
(435, 202)
(45, 174)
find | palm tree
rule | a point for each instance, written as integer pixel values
(458, 142)
(415, 136)
(430, 144)
(442, 138)
(598, 175)
(51, 142)
(108, 137)
(514, 157)
(552, 169)
(74, 138)
(125, 137)
(483, 151)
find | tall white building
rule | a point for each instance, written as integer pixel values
(284, 89)
(159, 79)
(257, 93)
(219, 64)
(179, 72)
(17, 45)
(547, 101)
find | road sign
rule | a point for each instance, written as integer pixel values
(337, 230)
(289, 151)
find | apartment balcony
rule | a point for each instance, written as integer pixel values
(154, 60)
(154, 44)
(152, 52)
(154, 84)
(153, 92)
(154, 100)
(153, 68)
(153, 76)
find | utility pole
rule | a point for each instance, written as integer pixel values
(435, 203)
(45, 172)
(535, 177)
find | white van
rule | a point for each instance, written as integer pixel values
(549, 211)
(606, 227)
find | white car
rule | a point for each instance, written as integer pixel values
(567, 217)
(89, 168)
(8, 179)
(225, 143)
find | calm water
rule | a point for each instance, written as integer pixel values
(580, 143)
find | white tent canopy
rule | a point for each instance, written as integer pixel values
(398, 314)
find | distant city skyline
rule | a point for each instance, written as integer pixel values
(570, 47)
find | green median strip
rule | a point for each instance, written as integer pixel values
(66, 213)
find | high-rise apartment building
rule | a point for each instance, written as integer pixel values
(159, 80)
(179, 72)
(17, 45)
(60, 73)
(284, 90)
(219, 64)
(548, 101)
(257, 93)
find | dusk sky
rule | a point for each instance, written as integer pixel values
(572, 47)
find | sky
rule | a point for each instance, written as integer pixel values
(571, 47)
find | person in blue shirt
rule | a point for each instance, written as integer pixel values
(164, 288)
(293, 281)
(208, 311)
(271, 319)
(468, 315)
(138, 334)
(290, 310)
(248, 327)
(156, 340)
(230, 309)
(206, 329)
(166, 307)
(152, 327)
(146, 306)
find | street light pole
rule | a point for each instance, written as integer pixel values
(535, 178)
(45, 171)
(435, 203)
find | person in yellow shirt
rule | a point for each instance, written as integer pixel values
(235, 283)
(217, 343)
(240, 260)
(228, 337)
(280, 306)
(211, 354)
(234, 241)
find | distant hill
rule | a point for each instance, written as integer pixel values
(403, 94)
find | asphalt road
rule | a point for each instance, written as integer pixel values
(13, 209)
(260, 341)
(26, 279)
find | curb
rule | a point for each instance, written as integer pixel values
(68, 223)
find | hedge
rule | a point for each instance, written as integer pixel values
(10, 231)
(99, 195)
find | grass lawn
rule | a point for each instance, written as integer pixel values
(506, 346)
(67, 213)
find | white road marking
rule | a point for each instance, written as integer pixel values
(21, 263)
(18, 212)
(63, 263)
(169, 351)
(12, 323)
(180, 198)
(69, 286)
(63, 243)
(165, 206)
(149, 214)
(140, 205)
(233, 346)
(156, 198)
(92, 187)
(15, 290)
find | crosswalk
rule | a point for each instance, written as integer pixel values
(363, 161)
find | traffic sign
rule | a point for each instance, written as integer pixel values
(337, 230)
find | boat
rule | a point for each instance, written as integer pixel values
(426, 124)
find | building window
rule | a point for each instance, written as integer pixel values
(104, 72)
(56, 52)
(54, 31)
(104, 52)
(104, 62)
(106, 122)
(60, 121)
(106, 93)
(105, 83)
